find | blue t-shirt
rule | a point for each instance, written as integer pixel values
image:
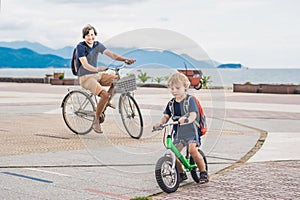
(91, 53)
(184, 130)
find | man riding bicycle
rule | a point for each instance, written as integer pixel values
(89, 77)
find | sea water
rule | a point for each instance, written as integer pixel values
(218, 77)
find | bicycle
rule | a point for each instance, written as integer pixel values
(166, 171)
(78, 107)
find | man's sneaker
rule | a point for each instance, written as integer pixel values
(183, 176)
(203, 177)
(97, 127)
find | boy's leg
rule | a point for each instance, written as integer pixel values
(193, 150)
(182, 173)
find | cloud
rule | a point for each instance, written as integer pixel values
(95, 2)
(228, 29)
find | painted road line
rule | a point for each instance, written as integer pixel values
(49, 172)
(28, 177)
(107, 193)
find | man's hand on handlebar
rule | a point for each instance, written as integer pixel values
(129, 61)
(101, 69)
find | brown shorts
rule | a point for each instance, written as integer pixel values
(94, 82)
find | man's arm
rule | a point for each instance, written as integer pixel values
(89, 67)
(117, 57)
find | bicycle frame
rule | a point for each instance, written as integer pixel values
(185, 161)
(175, 153)
(80, 103)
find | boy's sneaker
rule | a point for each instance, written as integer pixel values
(183, 176)
(203, 177)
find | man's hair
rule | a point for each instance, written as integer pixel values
(86, 30)
(179, 78)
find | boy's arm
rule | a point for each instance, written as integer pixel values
(188, 119)
(163, 120)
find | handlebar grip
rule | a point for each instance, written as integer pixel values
(127, 62)
(157, 128)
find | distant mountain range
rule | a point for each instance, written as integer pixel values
(25, 58)
(24, 54)
(65, 52)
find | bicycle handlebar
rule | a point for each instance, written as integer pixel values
(118, 68)
(163, 126)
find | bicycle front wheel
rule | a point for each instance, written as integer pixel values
(78, 111)
(131, 116)
(166, 177)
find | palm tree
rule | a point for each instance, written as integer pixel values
(205, 81)
(159, 79)
(143, 76)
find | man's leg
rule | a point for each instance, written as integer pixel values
(104, 96)
(107, 80)
(111, 92)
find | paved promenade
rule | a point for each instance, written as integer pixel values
(252, 148)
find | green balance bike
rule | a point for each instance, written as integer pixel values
(166, 171)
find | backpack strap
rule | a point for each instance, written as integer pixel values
(171, 106)
(186, 107)
(186, 104)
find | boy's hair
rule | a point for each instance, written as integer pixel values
(178, 78)
(86, 30)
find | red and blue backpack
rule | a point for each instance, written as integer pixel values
(202, 124)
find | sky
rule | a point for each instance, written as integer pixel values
(255, 33)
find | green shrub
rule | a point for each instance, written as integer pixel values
(143, 76)
(61, 76)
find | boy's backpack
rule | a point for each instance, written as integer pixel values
(74, 64)
(202, 125)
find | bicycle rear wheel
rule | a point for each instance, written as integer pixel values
(131, 116)
(78, 111)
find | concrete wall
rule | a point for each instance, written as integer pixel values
(267, 88)
(22, 80)
(40, 80)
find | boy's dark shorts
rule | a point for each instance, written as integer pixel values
(186, 141)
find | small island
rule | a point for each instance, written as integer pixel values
(230, 66)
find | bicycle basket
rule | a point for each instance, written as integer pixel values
(126, 84)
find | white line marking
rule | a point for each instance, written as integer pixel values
(49, 172)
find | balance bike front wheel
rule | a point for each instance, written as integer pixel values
(166, 177)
